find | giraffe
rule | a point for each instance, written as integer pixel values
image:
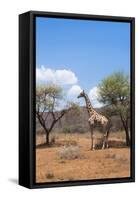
(96, 117)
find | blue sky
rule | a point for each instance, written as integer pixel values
(91, 50)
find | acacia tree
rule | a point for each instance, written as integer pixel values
(48, 98)
(115, 91)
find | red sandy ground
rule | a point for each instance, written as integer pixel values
(98, 164)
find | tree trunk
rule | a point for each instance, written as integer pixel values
(42, 122)
(47, 138)
(127, 136)
(47, 135)
(125, 125)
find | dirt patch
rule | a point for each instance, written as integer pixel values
(98, 164)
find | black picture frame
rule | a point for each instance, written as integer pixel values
(27, 83)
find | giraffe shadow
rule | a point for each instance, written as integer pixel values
(111, 144)
(57, 144)
(117, 144)
(44, 145)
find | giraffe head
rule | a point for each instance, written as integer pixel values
(82, 94)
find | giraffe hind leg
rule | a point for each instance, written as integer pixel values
(104, 138)
(107, 135)
(105, 142)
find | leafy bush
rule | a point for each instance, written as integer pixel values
(74, 129)
(78, 129)
(66, 129)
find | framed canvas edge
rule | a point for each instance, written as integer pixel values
(32, 14)
(24, 96)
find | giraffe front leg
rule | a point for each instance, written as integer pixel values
(92, 138)
(103, 147)
(104, 142)
(107, 146)
(92, 144)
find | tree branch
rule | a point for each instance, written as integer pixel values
(56, 119)
(46, 116)
(41, 121)
(62, 114)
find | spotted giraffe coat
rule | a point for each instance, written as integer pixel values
(97, 117)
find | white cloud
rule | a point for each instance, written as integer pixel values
(97, 104)
(93, 95)
(74, 90)
(60, 76)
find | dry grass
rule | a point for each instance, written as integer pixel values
(69, 152)
(70, 158)
(49, 175)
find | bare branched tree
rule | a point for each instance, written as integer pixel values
(48, 100)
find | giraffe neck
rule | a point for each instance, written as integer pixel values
(88, 105)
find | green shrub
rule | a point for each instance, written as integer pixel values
(66, 129)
